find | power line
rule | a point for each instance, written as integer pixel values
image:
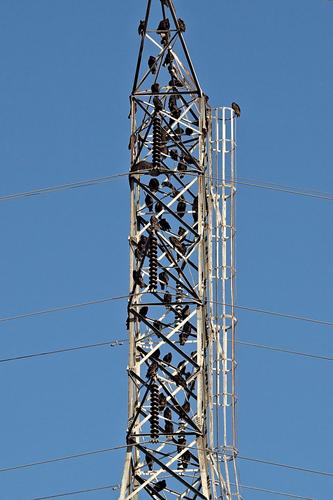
(79, 492)
(286, 466)
(62, 187)
(61, 459)
(117, 487)
(120, 342)
(106, 179)
(273, 492)
(122, 297)
(286, 351)
(111, 343)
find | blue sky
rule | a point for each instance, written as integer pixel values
(66, 72)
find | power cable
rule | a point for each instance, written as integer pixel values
(122, 297)
(61, 459)
(286, 466)
(115, 487)
(62, 187)
(103, 180)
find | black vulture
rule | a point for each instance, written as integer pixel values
(152, 64)
(185, 459)
(178, 379)
(143, 311)
(158, 208)
(164, 224)
(164, 25)
(149, 462)
(160, 485)
(175, 82)
(183, 336)
(167, 299)
(168, 59)
(181, 366)
(168, 428)
(189, 131)
(187, 327)
(158, 325)
(137, 277)
(167, 183)
(152, 370)
(157, 103)
(181, 25)
(142, 242)
(156, 354)
(141, 166)
(195, 209)
(179, 130)
(236, 109)
(140, 222)
(186, 312)
(175, 112)
(189, 159)
(181, 208)
(173, 102)
(177, 244)
(186, 407)
(154, 185)
(181, 167)
(149, 202)
(174, 154)
(162, 401)
(155, 88)
(167, 413)
(165, 2)
(164, 279)
(142, 27)
(167, 358)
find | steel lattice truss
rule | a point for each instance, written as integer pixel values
(170, 401)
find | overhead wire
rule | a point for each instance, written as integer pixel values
(286, 466)
(115, 487)
(106, 179)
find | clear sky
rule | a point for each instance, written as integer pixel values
(66, 72)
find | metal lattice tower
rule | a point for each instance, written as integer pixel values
(181, 432)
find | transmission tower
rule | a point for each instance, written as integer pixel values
(181, 432)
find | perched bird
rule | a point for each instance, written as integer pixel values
(140, 222)
(167, 183)
(138, 280)
(167, 299)
(164, 279)
(186, 312)
(181, 366)
(164, 224)
(158, 325)
(156, 354)
(158, 208)
(167, 413)
(181, 443)
(152, 370)
(164, 25)
(195, 209)
(149, 462)
(175, 82)
(186, 407)
(155, 88)
(160, 485)
(178, 379)
(152, 64)
(142, 242)
(149, 202)
(185, 459)
(157, 103)
(188, 131)
(181, 167)
(142, 28)
(154, 185)
(169, 58)
(175, 112)
(181, 25)
(236, 109)
(168, 428)
(167, 358)
(142, 166)
(183, 336)
(187, 327)
(174, 155)
(162, 401)
(143, 311)
(177, 244)
(165, 2)
(179, 130)
(189, 159)
(173, 102)
(181, 231)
